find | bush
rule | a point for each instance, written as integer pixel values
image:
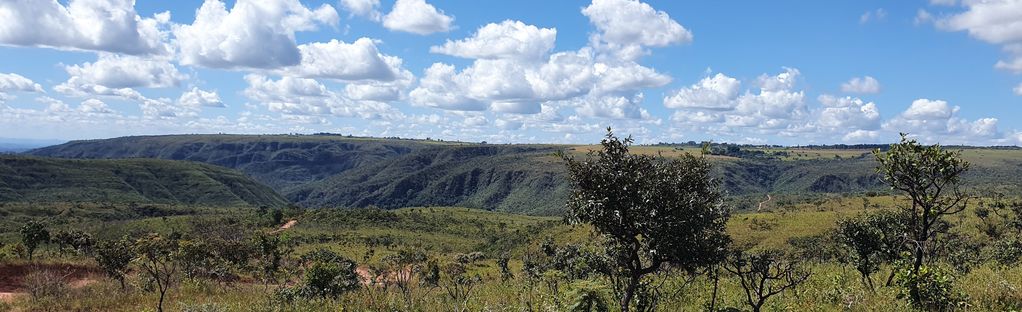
(45, 284)
(936, 288)
(12, 251)
(328, 274)
(1008, 251)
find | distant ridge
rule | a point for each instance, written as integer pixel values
(39, 179)
(340, 171)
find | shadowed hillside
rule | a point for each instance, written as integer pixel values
(35, 179)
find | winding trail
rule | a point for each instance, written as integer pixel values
(760, 208)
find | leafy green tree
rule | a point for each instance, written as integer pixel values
(654, 211)
(157, 256)
(33, 234)
(931, 177)
(76, 240)
(114, 257)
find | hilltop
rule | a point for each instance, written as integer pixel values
(38, 179)
(342, 171)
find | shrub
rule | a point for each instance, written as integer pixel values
(1008, 251)
(45, 284)
(935, 286)
(328, 274)
(11, 251)
(156, 256)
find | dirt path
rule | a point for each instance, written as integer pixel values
(286, 226)
(760, 208)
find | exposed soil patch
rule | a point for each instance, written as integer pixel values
(12, 276)
(286, 226)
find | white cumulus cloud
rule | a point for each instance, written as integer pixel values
(13, 82)
(253, 34)
(200, 98)
(508, 39)
(936, 120)
(714, 93)
(359, 60)
(865, 84)
(117, 71)
(417, 17)
(628, 26)
(98, 25)
(366, 8)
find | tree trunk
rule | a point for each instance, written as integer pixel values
(159, 306)
(633, 283)
(716, 284)
(921, 239)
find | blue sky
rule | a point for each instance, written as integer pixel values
(777, 72)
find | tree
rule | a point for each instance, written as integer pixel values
(931, 177)
(654, 211)
(764, 275)
(156, 256)
(114, 257)
(32, 235)
(870, 240)
(77, 240)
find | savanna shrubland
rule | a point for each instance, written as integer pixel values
(642, 233)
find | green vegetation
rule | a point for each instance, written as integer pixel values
(645, 231)
(36, 179)
(318, 171)
(654, 212)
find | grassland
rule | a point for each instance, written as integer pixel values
(370, 236)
